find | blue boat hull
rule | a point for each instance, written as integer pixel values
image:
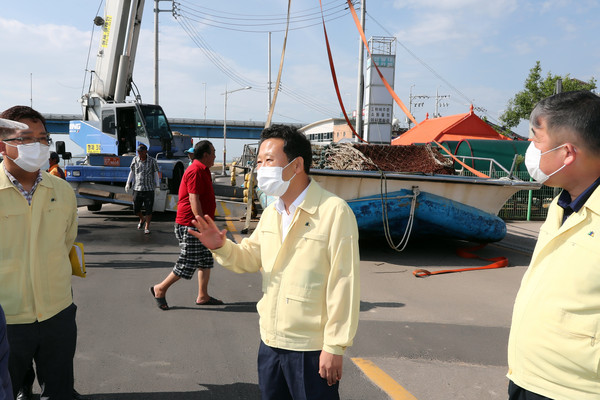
(435, 216)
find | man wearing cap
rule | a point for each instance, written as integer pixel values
(190, 154)
(35, 271)
(144, 179)
(55, 169)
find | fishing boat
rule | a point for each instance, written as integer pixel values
(445, 202)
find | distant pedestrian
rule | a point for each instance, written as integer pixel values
(190, 154)
(196, 197)
(554, 342)
(144, 178)
(55, 169)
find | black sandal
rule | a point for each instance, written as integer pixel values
(161, 302)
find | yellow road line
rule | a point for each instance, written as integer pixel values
(226, 214)
(383, 380)
(230, 226)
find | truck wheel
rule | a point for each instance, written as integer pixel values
(95, 207)
(176, 180)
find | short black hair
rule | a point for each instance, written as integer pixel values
(295, 143)
(577, 111)
(201, 148)
(54, 156)
(17, 113)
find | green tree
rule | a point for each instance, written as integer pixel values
(536, 89)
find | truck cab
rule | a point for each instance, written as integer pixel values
(122, 127)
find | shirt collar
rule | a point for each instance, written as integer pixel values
(14, 180)
(570, 207)
(280, 207)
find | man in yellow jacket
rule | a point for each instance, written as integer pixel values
(39, 224)
(554, 343)
(306, 247)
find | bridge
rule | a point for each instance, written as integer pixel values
(209, 128)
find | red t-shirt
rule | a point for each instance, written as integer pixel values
(196, 180)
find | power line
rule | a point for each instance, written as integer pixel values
(259, 23)
(300, 97)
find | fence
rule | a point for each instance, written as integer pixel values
(528, 204)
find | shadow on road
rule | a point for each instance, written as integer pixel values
(245, 307)
(235, 391)
(367, 306)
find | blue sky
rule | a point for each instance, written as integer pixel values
(481, 52)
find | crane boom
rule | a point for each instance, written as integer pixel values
(112, 77)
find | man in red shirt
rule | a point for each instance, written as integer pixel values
(196, 197)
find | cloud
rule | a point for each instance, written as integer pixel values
(458, 26)
(495, 9)
(46, 64)
(552, 5)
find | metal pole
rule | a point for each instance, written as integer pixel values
(529, 202)
(224, 134)
(269, 77)
(204, 83)
(437, 100)
(410, 99)
(225, 125)
(361, 80)
(156, 11)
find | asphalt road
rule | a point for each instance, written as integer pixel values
(441, 337)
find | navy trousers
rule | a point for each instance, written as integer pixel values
(6, 391)
(516, 392)
(292, 375)
(51, 343)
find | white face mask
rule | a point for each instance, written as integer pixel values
(271, 182)
(533, 156)
(32, 156)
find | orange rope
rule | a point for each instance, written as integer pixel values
(334, 76)
(385, 82)
(497, 262)
(473, 170)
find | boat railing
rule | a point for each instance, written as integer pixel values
(248, 157)
(494, 169)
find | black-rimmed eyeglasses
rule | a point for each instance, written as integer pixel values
(29, 140)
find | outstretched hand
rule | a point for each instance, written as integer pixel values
(208, 233)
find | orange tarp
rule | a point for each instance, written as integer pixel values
(450, 128)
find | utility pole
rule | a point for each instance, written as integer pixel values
(156, 11)
(227, 92)
(410, 103)
(204, 84)
(269, 83)
(436, 114)
(360, 91)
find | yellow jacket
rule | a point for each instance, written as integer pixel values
(554, 344)
(35, 272)
(311, 290)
